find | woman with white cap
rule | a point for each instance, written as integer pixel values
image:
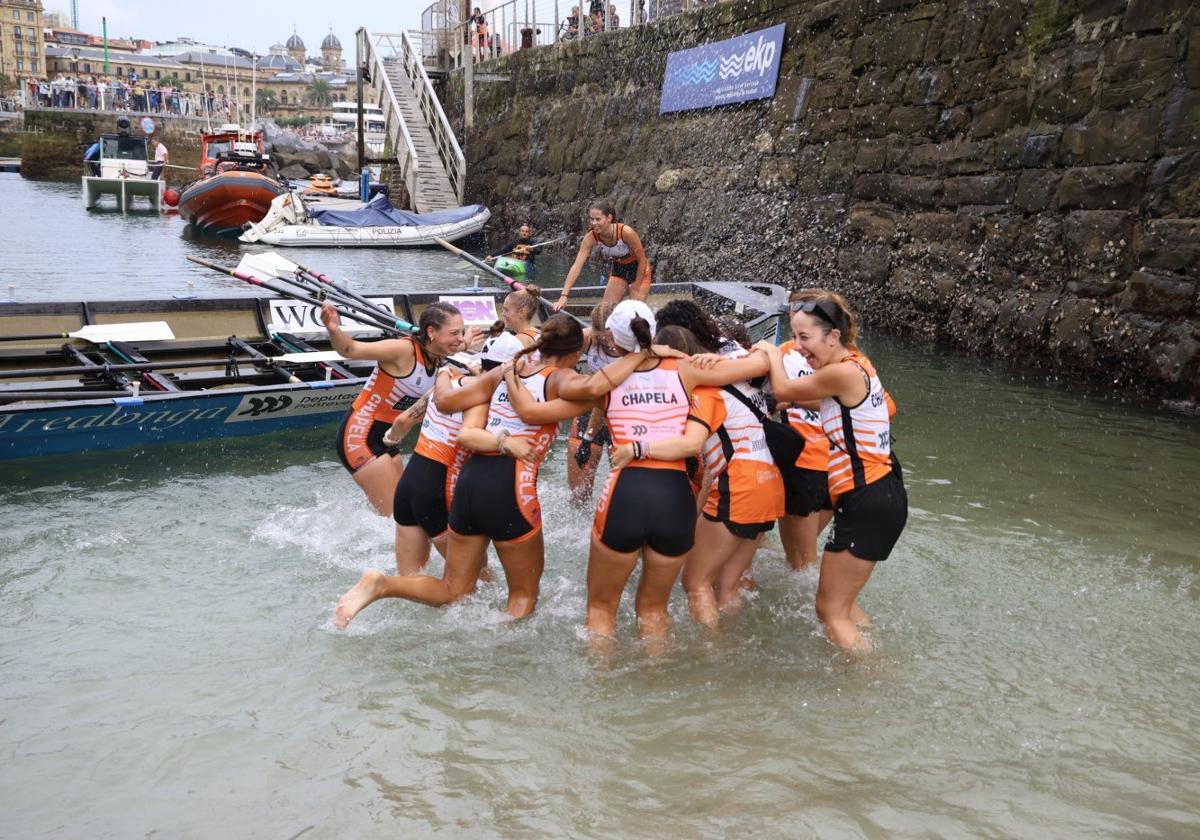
(648, 508)
(426, 488)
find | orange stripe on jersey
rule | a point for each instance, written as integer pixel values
(438, 440)
(860, 436)
(384, 396)
(805, 421)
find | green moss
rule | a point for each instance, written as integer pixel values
(1050, 19)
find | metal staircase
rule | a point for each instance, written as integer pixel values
(428, 157)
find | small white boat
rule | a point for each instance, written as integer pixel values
(329, 222)
(123, 172)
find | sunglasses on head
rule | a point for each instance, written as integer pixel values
(818, 308)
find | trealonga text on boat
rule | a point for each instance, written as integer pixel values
(230, 367)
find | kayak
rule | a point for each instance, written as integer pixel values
(510, 266)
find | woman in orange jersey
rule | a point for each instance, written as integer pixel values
(426, 488)
(628, 265)
(495, 497)
(405, 371)
(806, 482)
(518, 311)
(647, 508)
(870, 505)
(589, 435)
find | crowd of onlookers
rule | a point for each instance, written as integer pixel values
(105, 93)
(596, 21)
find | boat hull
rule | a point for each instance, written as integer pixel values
(125, 422)
(225, 202)
(126, 191)
(397, 236)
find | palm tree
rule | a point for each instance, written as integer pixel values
(320, 94)
(265, 101)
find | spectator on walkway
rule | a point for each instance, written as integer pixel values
(613, 20)
(160, 159)
(571, 25)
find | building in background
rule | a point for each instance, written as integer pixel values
(22, 55)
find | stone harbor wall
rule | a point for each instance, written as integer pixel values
(1020, 179)
(54, 141)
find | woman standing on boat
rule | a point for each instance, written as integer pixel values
(870, 505)
(629, 267)
(404, 372)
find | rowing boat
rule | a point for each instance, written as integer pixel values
(234, 366)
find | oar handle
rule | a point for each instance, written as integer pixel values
(399, 323)
(34, 337)
(382, 323)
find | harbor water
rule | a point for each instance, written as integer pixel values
(170, 667)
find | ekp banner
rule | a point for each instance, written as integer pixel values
(736, 70)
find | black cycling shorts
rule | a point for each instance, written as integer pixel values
(356, 450)
(496, 496)
(867, 521)
(647, 507)
(743, 530)
(624, 271)
(420, 498)
(805, 491)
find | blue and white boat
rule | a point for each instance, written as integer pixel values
(295, 219)
(123, 375)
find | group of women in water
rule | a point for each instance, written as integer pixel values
(700, 472)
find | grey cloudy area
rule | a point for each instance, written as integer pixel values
(255, 27)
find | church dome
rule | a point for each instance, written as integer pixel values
(295, 43)
(331, 42)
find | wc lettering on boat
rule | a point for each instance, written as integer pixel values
(289, 316)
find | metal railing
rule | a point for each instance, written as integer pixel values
(397, 131)
(453, 159)
(503, 27)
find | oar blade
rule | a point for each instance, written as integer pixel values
(267, 264)
(133, 331)
(307, 358)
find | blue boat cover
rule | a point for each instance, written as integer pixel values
(379, 212)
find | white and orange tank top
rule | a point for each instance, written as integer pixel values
(385, 397)
(503, 417)
(805, 421)
(618, 251)
(438, 440)
(746, 485)
(860, 436)
(650, 405)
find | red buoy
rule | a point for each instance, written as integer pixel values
(171, 197)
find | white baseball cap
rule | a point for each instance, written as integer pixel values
(501, 348)
(621, 320)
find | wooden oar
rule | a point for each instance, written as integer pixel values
(374, 317)
(132, 331)
(496, 273)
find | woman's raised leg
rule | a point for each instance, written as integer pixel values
(466, 556)
(842, 577)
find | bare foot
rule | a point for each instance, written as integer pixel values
(861, 620)
(361, 594)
